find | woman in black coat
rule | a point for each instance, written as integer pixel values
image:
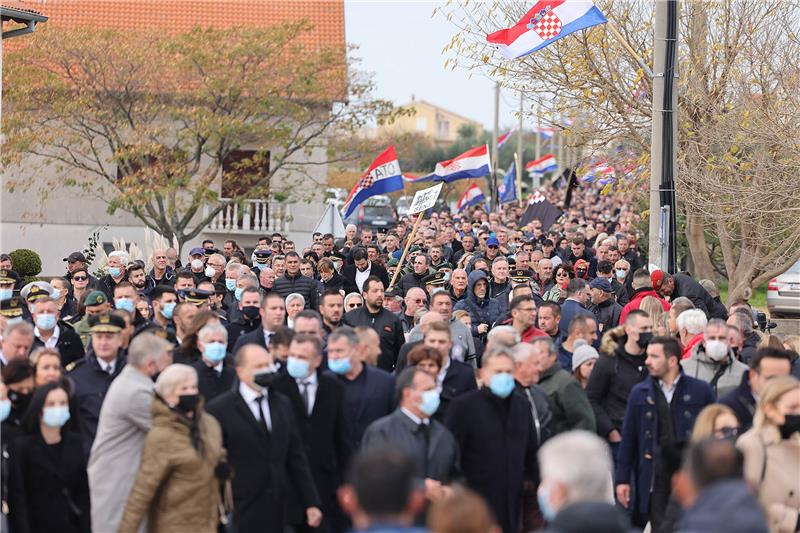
(48, 485)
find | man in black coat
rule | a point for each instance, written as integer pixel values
(215, 372)
(50, 329)
(368, 391)
(273, 314)
(264, 447)
(93, 374)
(384, 322)
(294, 281)
(317, 400)
(421, 265)
(495, 433)
(356, 273)
(677, 285)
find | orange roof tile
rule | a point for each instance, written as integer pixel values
(326, 16)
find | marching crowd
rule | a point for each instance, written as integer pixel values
(501, 378)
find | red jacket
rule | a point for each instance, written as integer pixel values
(636, 301)
(689, 348)
(532, 332)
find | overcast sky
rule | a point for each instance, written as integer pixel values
(402, 45)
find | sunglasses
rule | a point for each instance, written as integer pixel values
(79, 279)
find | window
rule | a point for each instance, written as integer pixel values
(241, 170)
(443, 128)
(422, 124)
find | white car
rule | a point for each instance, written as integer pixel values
(783, 293)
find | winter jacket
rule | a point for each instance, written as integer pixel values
(176, 487)
(742, 402)
(615, 373)
(772, 465)
(411, 280)
(569, 310)
(607, 315)
(500, 292)
(69, 344)
(723, 376)
(286, 285)
(636, 301)
(689, 288)
(728, 505)
(389, 330)
(482, 311)
(589, 517)
(640, 450)
(571, 408)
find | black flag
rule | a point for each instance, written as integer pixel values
(542, 210)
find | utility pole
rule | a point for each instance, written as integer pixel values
(495, 136)
(537, 179)
(520, 162)
(662, 245)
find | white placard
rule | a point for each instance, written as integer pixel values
(425, 199)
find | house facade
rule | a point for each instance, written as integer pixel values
(56, 219)
(431, 120)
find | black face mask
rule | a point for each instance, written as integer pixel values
(20, 401)
(644, 339)
(266, 379)
(250, 313)
(791, 425)
(187, 403)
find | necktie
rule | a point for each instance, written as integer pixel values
(306, 398)
(535, 414)
(109, 370)
(424, 430)
(261, 417)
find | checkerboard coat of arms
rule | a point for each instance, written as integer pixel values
(546, 24)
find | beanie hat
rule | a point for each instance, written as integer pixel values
(583, 352)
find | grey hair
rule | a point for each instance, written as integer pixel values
(123, 256)
(172, 377)
(23, 327)
(548, 344)
(581, 461)
(503, 331)
(716, 323)
(351, 296)
(295, 296)
(693, 321)
(211, 329)
(219, 256)
(344, 332)
(147, 346)
(251, 280)
(522, 352)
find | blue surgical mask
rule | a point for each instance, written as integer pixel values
(502, 384)
(543, 497)
(261, 266)
(297, 368)
(237, 293)
(55, 294)
(55, 417)
(126, 304)
(340, 366)
(167, 309)
(114, 271)
(230, 284)
(621, 273)
(214, 351)
(5, 409)
(5, 294)
(430, 402)
(46, 322)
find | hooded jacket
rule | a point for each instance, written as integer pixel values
(614, 375)
(482, 310)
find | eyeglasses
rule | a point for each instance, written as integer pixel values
(493, 247)
(527, 309)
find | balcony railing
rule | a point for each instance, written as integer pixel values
(255, 216)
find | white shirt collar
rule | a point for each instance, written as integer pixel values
(414, 418)
(51, 342)
(249, 394)
(310, 379)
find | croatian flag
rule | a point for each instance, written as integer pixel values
(473, 163)
(382, 176)
(504, 137)
(602, 170)
(545, 23)
(544, 133)
(544, 164)
(472, 196)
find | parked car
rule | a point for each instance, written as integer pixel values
(783, 293)
(402, 205)
(376, 212)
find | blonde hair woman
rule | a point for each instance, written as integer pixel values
(652, 306)
(715, 421)
(772, 453)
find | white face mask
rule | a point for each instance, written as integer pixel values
(716, 350)
(210, 271)
(196, 264)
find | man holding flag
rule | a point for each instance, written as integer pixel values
(383, 176)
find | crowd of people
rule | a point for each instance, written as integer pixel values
(500, 379)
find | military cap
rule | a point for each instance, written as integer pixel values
(153, 328)
(414, 249)
(436, 279)
(8, 276)
(261, 256)
(95, 298)
(11, 307)
(196, 296)
(36, 293)
(447, 267)
(106, 323)
(521, 275)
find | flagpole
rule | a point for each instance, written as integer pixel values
(618, 36)
(518, 155)
(405, 250)
(537, 152)
(495, 135)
